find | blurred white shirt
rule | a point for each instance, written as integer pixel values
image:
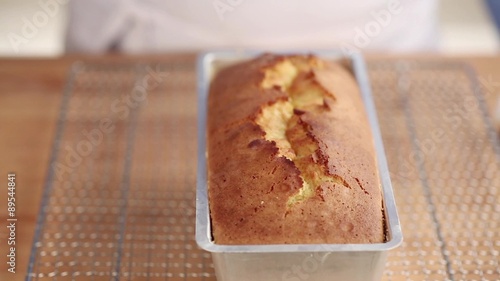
(135, 26)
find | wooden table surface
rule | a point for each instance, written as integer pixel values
(30, 96)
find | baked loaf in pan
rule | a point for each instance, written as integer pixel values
(290, 155)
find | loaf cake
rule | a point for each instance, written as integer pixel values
(290, 155)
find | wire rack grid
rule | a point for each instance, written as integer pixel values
(119, 201)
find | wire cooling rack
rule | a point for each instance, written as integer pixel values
(119, 201)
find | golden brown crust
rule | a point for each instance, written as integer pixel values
(326, 191)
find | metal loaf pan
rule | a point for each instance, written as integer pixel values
(346, 262)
